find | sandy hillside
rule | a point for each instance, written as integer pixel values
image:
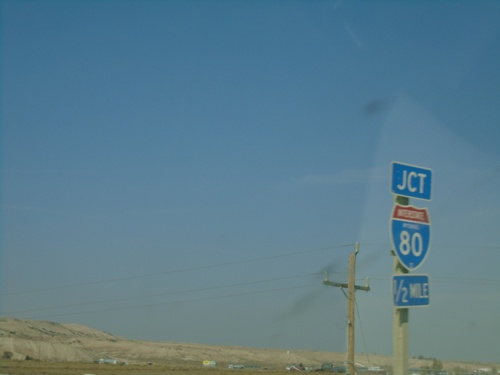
(49, 341)
(72, 342)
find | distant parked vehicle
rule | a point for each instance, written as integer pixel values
(339, 369)
(327, 366)
(236, 366)
(209, 363)
(108, 361)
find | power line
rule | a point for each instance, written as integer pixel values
(181, 270)
(440, 279)
(178, 301)
(184, 291)
(232, 263)
(372, 277)
(202, 289)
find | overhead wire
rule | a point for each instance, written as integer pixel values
(180, 270)
(239, 294)
(225, 264)
(194, 290)
(182, 291)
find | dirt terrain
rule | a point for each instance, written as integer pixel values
(43, 347)
(49, 341)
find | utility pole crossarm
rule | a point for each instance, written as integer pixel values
(333, 283)
(327, 282)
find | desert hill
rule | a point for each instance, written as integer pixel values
(43, 340)
(49, 341)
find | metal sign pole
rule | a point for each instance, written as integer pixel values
(400, 320)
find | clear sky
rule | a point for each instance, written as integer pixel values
(186, 170)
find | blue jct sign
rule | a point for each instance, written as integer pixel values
(410, 181)
(410, 229)
(410, 290)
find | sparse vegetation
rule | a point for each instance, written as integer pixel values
(7, 355)
(79, 368)
(437, 364)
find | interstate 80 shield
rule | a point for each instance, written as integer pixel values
(410, 234)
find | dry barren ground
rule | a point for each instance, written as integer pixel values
(78, 368)
(29, 347)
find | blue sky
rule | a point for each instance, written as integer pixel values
(186, 170)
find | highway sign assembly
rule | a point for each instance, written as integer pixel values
(410, 181)
(410, 290)
(410, 233)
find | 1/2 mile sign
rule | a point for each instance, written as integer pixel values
(410, 181)
(410, 290)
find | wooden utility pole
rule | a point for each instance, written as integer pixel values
(350, 312)
(351, 304)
